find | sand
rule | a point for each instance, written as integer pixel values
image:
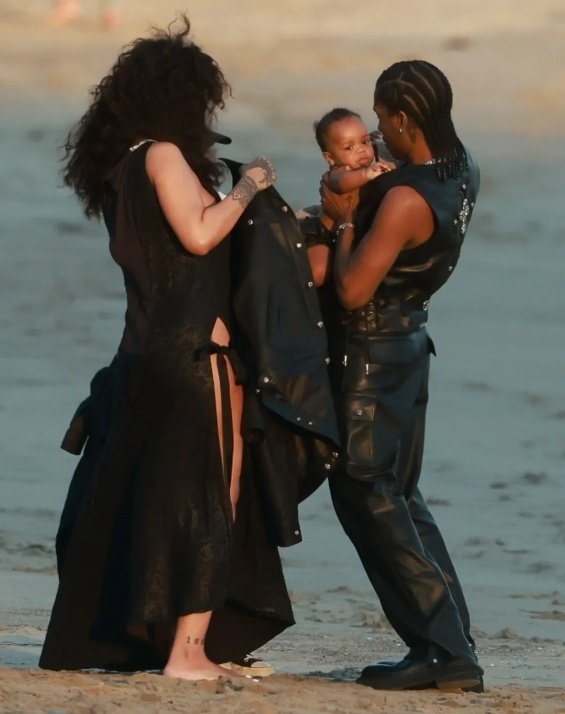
(494, 460)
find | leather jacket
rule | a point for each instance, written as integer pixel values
(289, 417)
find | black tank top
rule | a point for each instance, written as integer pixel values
(400, 302)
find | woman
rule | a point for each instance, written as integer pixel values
(148, 557)
(394, 250)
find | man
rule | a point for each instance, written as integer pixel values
(395, 245)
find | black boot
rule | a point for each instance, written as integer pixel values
(450, 674)
(418, 653)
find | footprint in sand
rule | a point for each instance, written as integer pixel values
(553, 615)
(434, 501)
(535, 478)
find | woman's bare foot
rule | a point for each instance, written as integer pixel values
(188, 658)
(196, 670)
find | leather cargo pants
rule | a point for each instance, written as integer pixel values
(376, 496)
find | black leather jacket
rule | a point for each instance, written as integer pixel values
(289, 417)
(280, 332)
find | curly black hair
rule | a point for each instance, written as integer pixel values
(423, 92)
(162, 87)
(323, 125)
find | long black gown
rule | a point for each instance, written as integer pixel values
(153, 538)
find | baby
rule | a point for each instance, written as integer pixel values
(351, 152)
(353, 160)
(349, 149)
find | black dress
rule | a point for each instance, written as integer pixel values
(153, 538)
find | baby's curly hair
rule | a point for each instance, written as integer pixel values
(163, 87)
(323, 126)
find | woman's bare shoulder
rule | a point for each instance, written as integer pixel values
(164, 150)
(165, 158)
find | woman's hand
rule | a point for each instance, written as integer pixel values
(261, 172)
(255, 177)
(338, 207)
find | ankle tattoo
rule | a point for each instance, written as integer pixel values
(196, 641)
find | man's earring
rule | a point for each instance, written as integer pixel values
(400, 130)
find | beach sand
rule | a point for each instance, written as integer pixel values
(493, 470)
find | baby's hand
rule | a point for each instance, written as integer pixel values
(387, 165)
(377, 169)
(372, 171)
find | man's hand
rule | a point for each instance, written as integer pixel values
(338, 207)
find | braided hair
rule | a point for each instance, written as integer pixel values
(423, 92)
